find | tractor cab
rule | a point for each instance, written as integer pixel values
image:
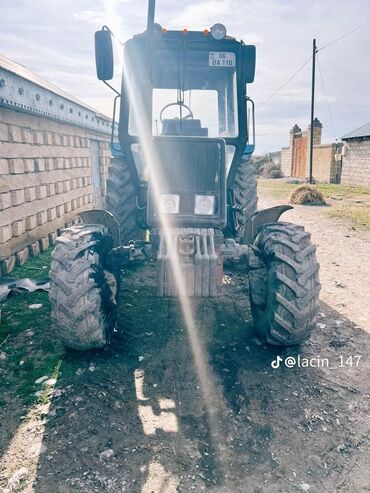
(197, 85)
(194, 88)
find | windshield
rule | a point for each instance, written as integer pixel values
(194, 93)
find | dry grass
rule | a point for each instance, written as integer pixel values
(282, 189)
(358, 215)
(307, 194)
(347, 202)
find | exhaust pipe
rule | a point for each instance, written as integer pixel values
(151, 14)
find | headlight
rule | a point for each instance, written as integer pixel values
(218, 31)
(170, 204)
(204, 205)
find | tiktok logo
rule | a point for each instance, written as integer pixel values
(276, 362)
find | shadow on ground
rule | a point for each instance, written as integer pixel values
(134, 419)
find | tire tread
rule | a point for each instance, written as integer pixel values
(293, 286)
(83, 304)
(245, 193)
(121, 199)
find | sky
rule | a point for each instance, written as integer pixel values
(55, 39)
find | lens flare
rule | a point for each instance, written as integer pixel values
(214, 402)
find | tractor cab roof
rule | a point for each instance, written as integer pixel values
(203, 37)
(171, 69)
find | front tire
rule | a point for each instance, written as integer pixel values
(82, 291)
(285, 298)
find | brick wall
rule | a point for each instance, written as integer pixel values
(356, 163)
(45, 180)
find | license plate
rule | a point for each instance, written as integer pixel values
(221, 59)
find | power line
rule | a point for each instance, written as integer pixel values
(344, 35)
(309, 59)
(326, 99)
(320, 72)
(286, 82)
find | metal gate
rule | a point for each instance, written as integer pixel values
(95, 174)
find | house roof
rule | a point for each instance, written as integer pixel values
(25, 73)
(363, 131)
(22, 90)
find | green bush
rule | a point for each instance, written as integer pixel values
(272, 170)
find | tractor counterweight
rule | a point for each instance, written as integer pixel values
(189, 263)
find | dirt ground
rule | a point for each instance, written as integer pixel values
(170, 409)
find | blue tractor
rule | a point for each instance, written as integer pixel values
(181, 188)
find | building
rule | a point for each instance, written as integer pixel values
(54, 154)
(275, 157)
(295, 159)
(356, 157)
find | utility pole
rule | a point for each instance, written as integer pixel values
(312, 105)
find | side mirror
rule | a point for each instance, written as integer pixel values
(104, 54)
(249, 63)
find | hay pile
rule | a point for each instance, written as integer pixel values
(307, 194)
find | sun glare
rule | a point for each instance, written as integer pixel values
(212, 395)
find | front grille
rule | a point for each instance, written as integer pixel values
(189, 166)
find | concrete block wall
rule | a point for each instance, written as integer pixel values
(45, 180)
(324, 163)
(356, 162)
(326, 168)
(285, 164)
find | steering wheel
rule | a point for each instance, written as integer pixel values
(182, 105)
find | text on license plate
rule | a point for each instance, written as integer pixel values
(221, 59)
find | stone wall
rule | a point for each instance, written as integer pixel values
(46, 178)
(356, 162)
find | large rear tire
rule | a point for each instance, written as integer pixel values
(284, 300)
(122, 200)
(82, 291)
(245, 194)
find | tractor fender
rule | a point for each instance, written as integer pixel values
(264, 216)
(105, 218)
